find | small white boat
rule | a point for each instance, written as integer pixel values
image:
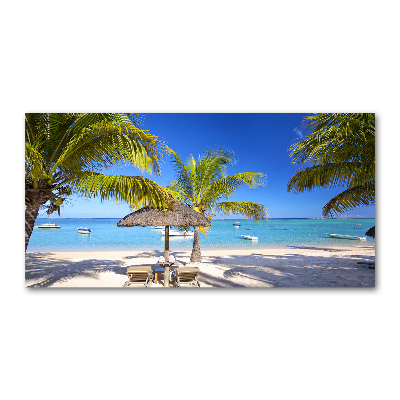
(338, 236)
(49, 225)
(236, 224)
(85, 231)
(248, 237)
(179, 233)
(158, 227)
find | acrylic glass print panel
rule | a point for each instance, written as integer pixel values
(199, 200)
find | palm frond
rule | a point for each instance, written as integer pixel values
(248, 209)
(226, 186)
(137, 191)
(176, 191)
(108, 143)
(182, 176)
(52, 133)
(331, 175)
(356, 196)
(331, 137)
(211, 167)
(203, 183)
(36, 125)
(34, 165)
(342, 149)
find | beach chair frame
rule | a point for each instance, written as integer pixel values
(186, 276)
(139, 276)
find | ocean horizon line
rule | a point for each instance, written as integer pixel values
(218, 219)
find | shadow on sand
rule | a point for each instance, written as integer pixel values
(45, 271)
(256, 269)
(291, 269)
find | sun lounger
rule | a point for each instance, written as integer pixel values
(186, 276)
(140, 276)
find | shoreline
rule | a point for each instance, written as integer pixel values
(358, 246)
(306, 266)
(361, 246)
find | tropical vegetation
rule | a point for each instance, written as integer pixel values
(341, 148)
(203, 185)
(66, 152)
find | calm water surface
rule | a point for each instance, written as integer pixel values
(272, 233)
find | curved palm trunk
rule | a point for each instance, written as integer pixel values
(31, 213)
(196, 253)
(33, 200)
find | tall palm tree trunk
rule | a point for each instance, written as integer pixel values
(34, 198)
(31, 213)
(196, 253)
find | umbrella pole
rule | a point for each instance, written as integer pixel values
(166, 256)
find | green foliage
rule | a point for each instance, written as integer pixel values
(203, 183)
(134, 190)
(341, 148)
(65, 151)
(249, 209)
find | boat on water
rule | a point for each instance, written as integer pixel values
(49, 225)
(236, 224)
(84, 231)
(179, 233)
(248, 237)
(339, 236)
(158, 227)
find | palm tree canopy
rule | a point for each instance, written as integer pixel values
(70, 150)
(203, 183)
(341, 148)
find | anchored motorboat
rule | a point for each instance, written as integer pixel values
(179, 233)
(85, 231)
(49, 225)
(339, 236)
(248, 237)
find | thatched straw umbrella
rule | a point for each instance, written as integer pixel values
(178, 215)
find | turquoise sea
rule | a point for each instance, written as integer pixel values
(272, 233)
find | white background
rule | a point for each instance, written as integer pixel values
(209, 56)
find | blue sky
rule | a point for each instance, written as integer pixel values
(261, 144)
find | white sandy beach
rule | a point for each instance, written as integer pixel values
(284, 267)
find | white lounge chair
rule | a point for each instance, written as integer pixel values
(140, 276)
(186, 276)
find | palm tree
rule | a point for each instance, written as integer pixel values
(69, 151)
(202, 184)
(342, 150)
